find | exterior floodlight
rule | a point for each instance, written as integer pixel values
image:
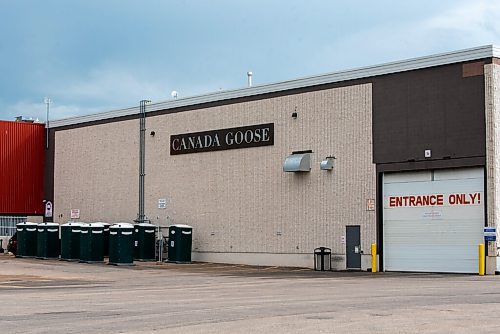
(327, 163)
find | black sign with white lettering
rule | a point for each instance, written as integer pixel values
(224, 139)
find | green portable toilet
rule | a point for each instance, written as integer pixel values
(121, 244)
(26, 239)
(91, 243)
(105, 238)
(180, 239)
(47, 241)
(144, 242)
(70, 241)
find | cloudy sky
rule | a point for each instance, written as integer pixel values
(97, 55)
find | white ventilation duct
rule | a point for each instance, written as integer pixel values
(298, 162)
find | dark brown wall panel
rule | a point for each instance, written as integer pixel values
(435, 108)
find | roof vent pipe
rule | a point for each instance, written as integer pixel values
(249, 74)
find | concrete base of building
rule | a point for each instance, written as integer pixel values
(257, 259)
(338, 261)
(366, 262)
(491, 265)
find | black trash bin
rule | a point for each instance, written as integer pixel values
(322, 259)
(47, 242)
(179, 243)
(26, 239)
(70, 241)
(121, 244)
(91, 243)
(144, 242)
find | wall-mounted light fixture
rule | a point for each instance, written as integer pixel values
(327, 163)
(294, 115)
(152, 133)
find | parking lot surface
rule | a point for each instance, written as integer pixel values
(49, 296)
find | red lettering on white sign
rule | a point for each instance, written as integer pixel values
(434, 200)
(416, 200)
(464, 199)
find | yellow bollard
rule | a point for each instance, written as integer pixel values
(374, 258)
(481, 259)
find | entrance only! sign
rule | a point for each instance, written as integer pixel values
(434, 200)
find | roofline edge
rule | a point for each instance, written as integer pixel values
(481, 52)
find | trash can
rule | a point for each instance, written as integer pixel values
(26, 239)
(121, 244)
(179, 243)
(105, 238)
(47, 241)
(322, 259)
(91, 243)
(70, 241)
(144, 242)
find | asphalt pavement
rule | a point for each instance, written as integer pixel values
(50, 296)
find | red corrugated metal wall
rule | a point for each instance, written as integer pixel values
(21, 168)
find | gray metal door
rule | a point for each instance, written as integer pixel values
(353, 247)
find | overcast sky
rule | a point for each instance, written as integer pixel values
(97, 55)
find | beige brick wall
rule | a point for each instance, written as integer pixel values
(95, 170)
(492, 107)
(238, 201)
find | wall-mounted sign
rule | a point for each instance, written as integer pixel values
(370, 204)
(224, 139)
(48, 209)
(162, 203)
(434, 200)
(490, 234)
(75, 214)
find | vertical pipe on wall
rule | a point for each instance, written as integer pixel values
(47, 102)
(142, 155)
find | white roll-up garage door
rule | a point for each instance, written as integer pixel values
(433, 220)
